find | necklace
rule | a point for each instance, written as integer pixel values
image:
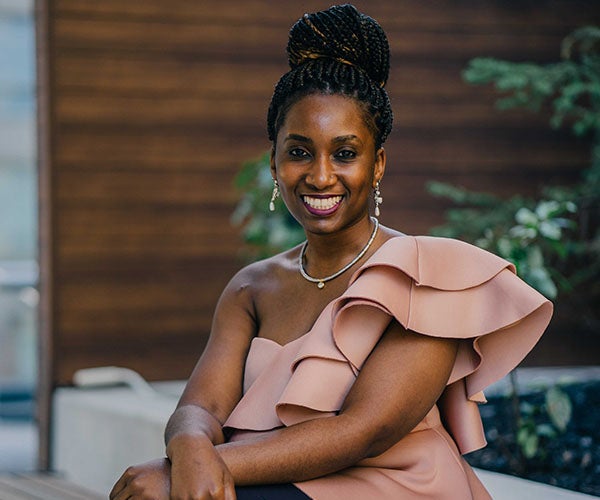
(321, 281)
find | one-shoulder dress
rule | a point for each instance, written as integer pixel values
(439, 287)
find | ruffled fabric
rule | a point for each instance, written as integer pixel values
(433, 286)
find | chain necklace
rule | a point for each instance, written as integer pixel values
(321, 281)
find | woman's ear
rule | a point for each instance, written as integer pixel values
(379, 170)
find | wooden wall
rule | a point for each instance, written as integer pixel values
(148, 108)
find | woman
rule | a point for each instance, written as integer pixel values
(350, 366)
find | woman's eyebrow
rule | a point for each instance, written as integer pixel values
(298, 137)
(345, 138)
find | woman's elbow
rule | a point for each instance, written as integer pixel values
(368, 441)
(381, 439)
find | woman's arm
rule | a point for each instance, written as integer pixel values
(215, 386)
(399, 383)
(210, 395)
(194, 469)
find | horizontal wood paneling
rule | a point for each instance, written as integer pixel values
(154, 106)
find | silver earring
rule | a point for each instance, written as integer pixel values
(378, 199)
(274, 196)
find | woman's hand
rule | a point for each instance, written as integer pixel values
(147, 481)
(197, 470)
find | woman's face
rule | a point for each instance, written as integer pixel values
(325, 162)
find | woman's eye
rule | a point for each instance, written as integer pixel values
(298, 153)
(346, 154)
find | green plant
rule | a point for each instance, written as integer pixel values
(528, 233)
(265, 233)
(571, 87)
(538, 423)
(553, 241)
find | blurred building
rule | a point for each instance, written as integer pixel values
(18, 206)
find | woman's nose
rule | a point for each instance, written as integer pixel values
(321, 174)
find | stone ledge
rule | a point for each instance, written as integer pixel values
(505, 487)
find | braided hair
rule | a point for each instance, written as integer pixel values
(336, 51)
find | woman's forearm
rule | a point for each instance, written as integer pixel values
(297, 453)
(398, 385)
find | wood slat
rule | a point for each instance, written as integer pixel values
(162, 149)
(146, 188)
(515, 13)
(249, 40)
(151, 292)
(99, 231)
(138, 75)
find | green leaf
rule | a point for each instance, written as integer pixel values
(550, 230)
(584, 38)
(505, 247)
(460, 195)
(535, 258)
(529, 441)
(522, 232)
(559, 408)
(510, 81)
(539, 279)
(526, 408)
(526, 217)
(546, 209)
(545, 430)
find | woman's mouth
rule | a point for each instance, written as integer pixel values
(322, 205)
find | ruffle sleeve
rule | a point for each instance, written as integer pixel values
(433, 286)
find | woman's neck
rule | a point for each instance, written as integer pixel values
(327, 253)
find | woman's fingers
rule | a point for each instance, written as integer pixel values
(152, 481)
(148, 481)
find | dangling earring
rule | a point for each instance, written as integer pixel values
(274, 196)
(378, 199)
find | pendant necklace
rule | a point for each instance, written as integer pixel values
(321, 281)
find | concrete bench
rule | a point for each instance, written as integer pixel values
(504, 487)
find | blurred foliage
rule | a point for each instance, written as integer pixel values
(553, 241)
(533, 235)
(265, 233)
(571, 86)
(540, 423)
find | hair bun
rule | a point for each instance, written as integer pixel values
(344, 34)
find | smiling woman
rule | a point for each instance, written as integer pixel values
(349, 366)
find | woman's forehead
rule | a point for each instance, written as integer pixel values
(334, 115)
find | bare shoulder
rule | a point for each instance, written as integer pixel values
(389, 232)
(260, 276)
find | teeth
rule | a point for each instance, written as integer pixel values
(322, 203)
